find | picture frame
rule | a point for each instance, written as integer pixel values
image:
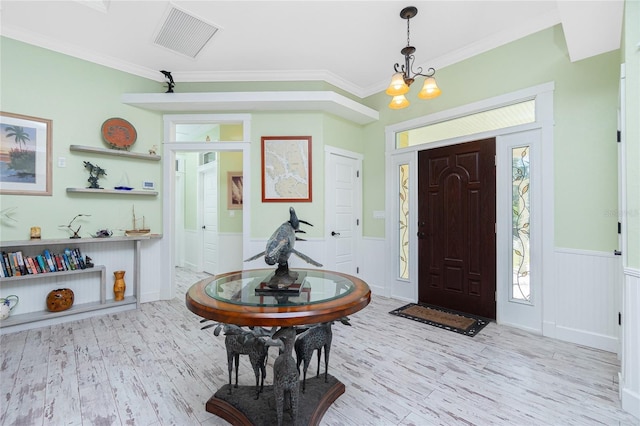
(25, 154)
(286, 169)
(234, 190)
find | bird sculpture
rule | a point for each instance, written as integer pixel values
(281, 244)
(170, 82)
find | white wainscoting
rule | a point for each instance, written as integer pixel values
(150, 271)
(630, 377)
(192, 248)
(588, 298)
(374, 265)
(229, 252)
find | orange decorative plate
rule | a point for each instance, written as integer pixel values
(119, 133)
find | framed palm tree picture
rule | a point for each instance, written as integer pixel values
(25, 155)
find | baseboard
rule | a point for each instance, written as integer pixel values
(520, 327)
(191, 266)
(630, 402)
(586, 338)
(151, 296)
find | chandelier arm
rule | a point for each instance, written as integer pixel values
(430, 72)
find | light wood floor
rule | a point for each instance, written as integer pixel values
(154, 366)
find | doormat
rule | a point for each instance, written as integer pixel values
(447, 319)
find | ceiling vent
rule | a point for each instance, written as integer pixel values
(184, 33)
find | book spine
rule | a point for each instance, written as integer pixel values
(65, 259)
(49, 259)
(27, 267)
(80, 259)
(33, 266)
(58, 262)
(14, 264)
(72, 261)
(21, 265)
(43, 266)
(5, 263)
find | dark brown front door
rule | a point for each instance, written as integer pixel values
(456, 227)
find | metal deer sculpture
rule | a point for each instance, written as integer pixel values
(254, 343)
(281, 244)
(315, 338)
(286, 378)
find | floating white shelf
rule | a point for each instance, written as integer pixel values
(115, 152)
(112, 191)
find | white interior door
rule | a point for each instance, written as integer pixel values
(209, 216)
(343, 195)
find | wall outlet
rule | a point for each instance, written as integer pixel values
(62, 162)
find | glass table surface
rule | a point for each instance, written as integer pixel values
(265, 288)
(248, 297)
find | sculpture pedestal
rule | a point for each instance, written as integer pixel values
(240, 408)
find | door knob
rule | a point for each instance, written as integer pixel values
(335, 234)
(420, 234)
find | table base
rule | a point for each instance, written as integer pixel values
(240, 408)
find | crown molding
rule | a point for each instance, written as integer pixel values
(74, 51)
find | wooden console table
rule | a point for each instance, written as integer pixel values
(231, 299)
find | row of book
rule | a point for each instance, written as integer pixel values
(15, 264)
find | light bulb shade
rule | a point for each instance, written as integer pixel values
(397, 86)
(430, 89)
(399, 102)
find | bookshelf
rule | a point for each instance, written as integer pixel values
(32, 289)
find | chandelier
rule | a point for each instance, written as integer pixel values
(404, 75)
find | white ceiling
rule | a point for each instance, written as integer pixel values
(351, 44)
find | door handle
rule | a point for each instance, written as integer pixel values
(420, 234)
(335, 234)
(204, 226)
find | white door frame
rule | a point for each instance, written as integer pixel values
(543, 94)
(170, 147)
(329, 210)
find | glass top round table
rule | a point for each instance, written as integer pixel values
(259, 297)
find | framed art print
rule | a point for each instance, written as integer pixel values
(25, 155)
(286, 169)
(234, 190)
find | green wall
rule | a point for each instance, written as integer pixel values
(78, 96)
(585, 112)
(324, 130)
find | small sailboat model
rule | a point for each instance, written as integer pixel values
(136, 231)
